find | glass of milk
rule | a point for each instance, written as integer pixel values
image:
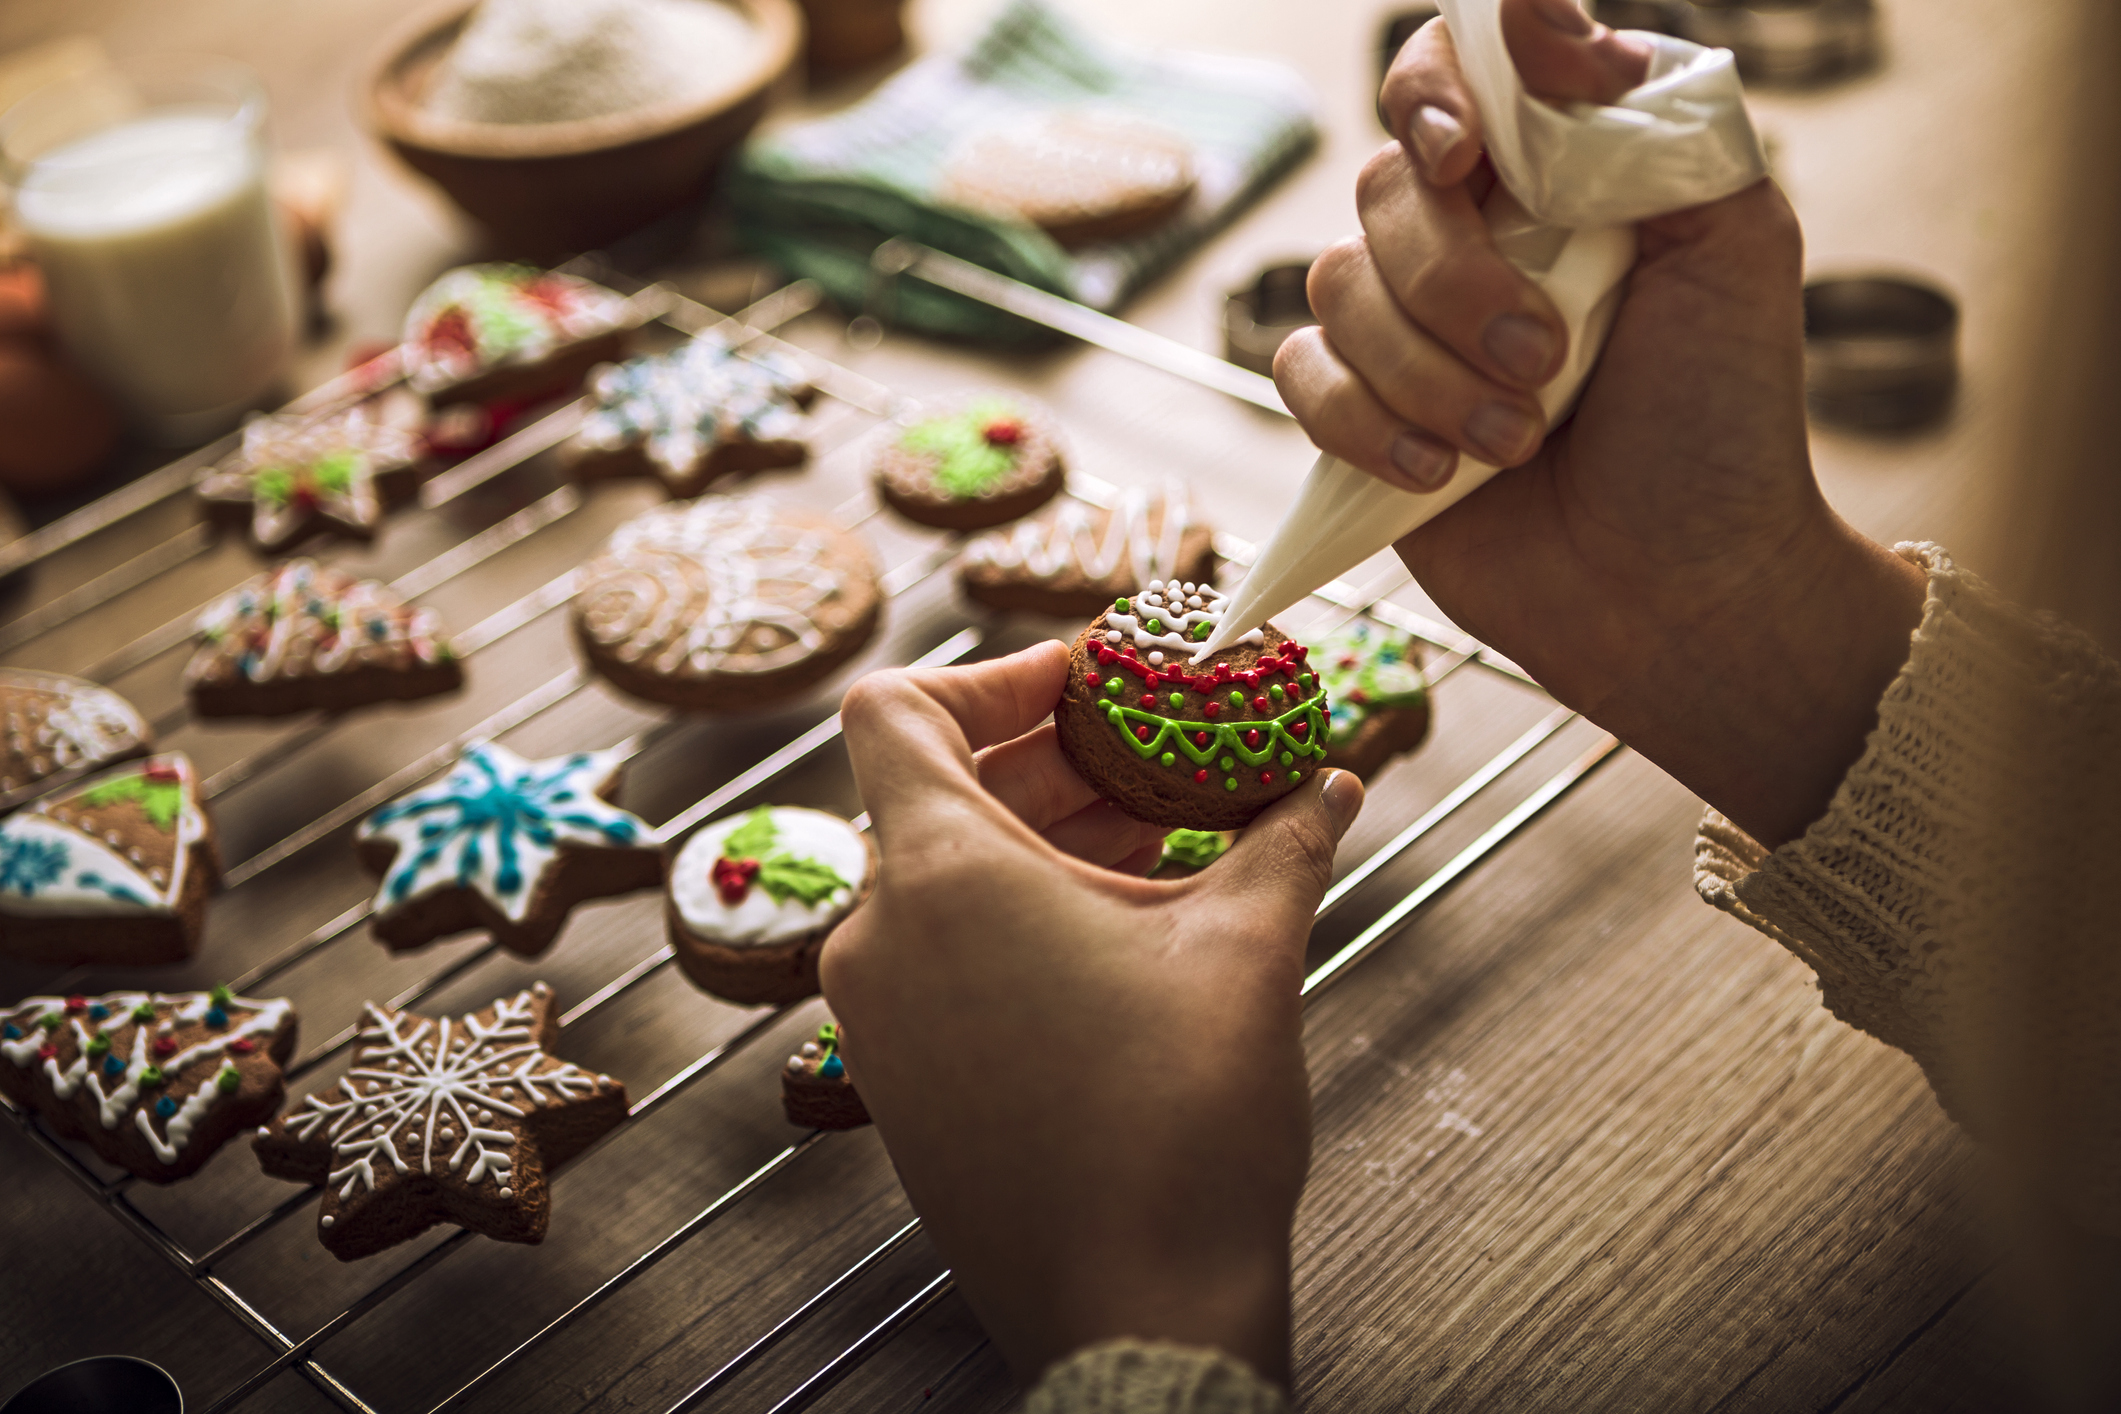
(142, 190)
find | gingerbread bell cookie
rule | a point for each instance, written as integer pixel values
(725, 603)
(153, 1082)
(692, 416)
(1380, 700)
(1199, 746)
(1083, 175)
(305, 637)
(505, 845)
(974, 463)
(816, 1091)
(753, 897)
(1073, 559)
(485, 333)
(54, 729)
(112, 871)
(456, 1119)
(298, 476)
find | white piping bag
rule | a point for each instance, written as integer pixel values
(1574, 182)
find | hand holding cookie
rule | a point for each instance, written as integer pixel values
(1092, 1084)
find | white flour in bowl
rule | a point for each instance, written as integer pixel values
(550, 61)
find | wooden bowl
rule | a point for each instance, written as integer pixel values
(546, 189)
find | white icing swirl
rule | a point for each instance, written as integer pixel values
(1065, 539)
(1177, 607)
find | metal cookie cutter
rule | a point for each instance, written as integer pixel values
(1258, 317)
(1881, 352)
(102, 1384)
(1787, 41)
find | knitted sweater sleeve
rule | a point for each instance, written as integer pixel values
(1134, 1377)
(1950, 899)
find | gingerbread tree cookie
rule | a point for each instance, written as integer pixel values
(507, 845)
(482, 333)
(54, 729)
(296, 476)
(153, 1082)
(450, 1120)
(692, 416)
(816, 1091)
(304, 637)
(115, 870)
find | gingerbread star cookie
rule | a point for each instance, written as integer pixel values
(972, 463)
(725, 603)
(816, 1091)
(1380, 700)
(297, 476)
(112, 871)
(483, 333)
(450, 1120)
(54, 729)
(507, 845)
(153, 1082)
(304, 637)
(1073, 559)
(691, 416)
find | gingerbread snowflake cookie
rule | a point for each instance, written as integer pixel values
(725, 603)
(692, 416)
(506, 845)
(973, 463)
(112, 871)
(305, 637)
(483, 333)
(1200, 746)
(1380, 700)
(816, 1091)
(753, 897)
(153, 1082)
(298, 476)
(1083, 175)
(54, 729)
(450, 1120)
(1072, 559)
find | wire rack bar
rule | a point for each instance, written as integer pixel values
(874, 1339)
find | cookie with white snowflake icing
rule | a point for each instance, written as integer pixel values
(54, 729)
(1072, 559)
(753, 897)
(153, 1082)
(816, 1091)
(1380, 700)
(486, 332)
(691, 416)
(296, 476)
(114, 870)
(304, 637)
(507, 845)
(724, 603)
(456, 1119)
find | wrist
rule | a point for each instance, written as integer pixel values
(1238, 1304)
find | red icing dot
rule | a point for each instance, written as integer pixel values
(47, 1051)
(1252, 739)
(1093, 679)
(1003, 432)
(1251, 677)
(1300, 729)
(242, 1046)
(732, 878)
(1266, 778)
(1141, 733)
(1259, 704)
(1200, 738)
(77, 1004)
(1213, 709)
(1105, 656)
(1148, 699)
(1200, 777)
(164, 1045)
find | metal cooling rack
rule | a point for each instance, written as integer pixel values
(859, 404)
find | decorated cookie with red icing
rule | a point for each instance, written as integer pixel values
(1197, 746)
(486, 333)
(335, 474)
(972, 463)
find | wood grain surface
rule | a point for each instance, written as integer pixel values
(1581, 1143)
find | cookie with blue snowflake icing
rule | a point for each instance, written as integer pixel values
(505, 845)
(112, 871)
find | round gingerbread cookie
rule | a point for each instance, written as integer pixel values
(973, 462)
(725, 603)
(1372, 674)
(1196, 746)
(752, 898)
(1073, 559)
(1082, 175)
(55, 729)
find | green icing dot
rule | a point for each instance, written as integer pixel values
(1167, 758)
(144, 1012)
(49, 1021)
(98, 1044)
(1178, 699)
(1237, 699)
(228, 1080)
(1119, 606)
(1275, 692)
(150, 1077)
(1229, 783)
(1286, 758)
(1307, 680)
(1112, 687)
(1295, 776)
(1202, 629)
(1156, 625)
(1227, 764)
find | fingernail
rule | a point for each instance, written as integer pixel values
(1343, 797)
(1522, 346)
(1423, 460)
(1504, 432)
(1435, 134)
(1564, 16)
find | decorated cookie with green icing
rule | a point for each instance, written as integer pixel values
(1372, 673)
(54, 729)
(816, 1090)
(478, 321)
(1190, 851)
(975, 462)
(296, 475)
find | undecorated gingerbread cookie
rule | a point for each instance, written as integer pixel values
(1083, 175)
(485, 333)
(816, 1091)
(1372, 675)
(1073, 559)
(55, 729)
(972, 463)
(753, 897)
(692, 416)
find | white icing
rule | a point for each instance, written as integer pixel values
(1065, 539)
(565, 310)
(1177, 606)
(54, 869)
(53, 723)
(681, 405)
(277, 624)
(761, 920)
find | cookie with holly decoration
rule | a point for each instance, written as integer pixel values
(298, 476)
(1197, 746)
(113, 871)
(973, 463)
(510, 333)
(752, 898)
(816, 1091)
(55, 729)
(153, 1082)
(506, 845)
(1372, 674)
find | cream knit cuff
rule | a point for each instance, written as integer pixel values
(1136, 1377)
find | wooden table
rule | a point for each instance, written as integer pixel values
(1580, 1142)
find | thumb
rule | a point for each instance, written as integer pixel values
(1278, 870)
(1565, 56)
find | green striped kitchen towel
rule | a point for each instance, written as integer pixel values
(819, 197)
